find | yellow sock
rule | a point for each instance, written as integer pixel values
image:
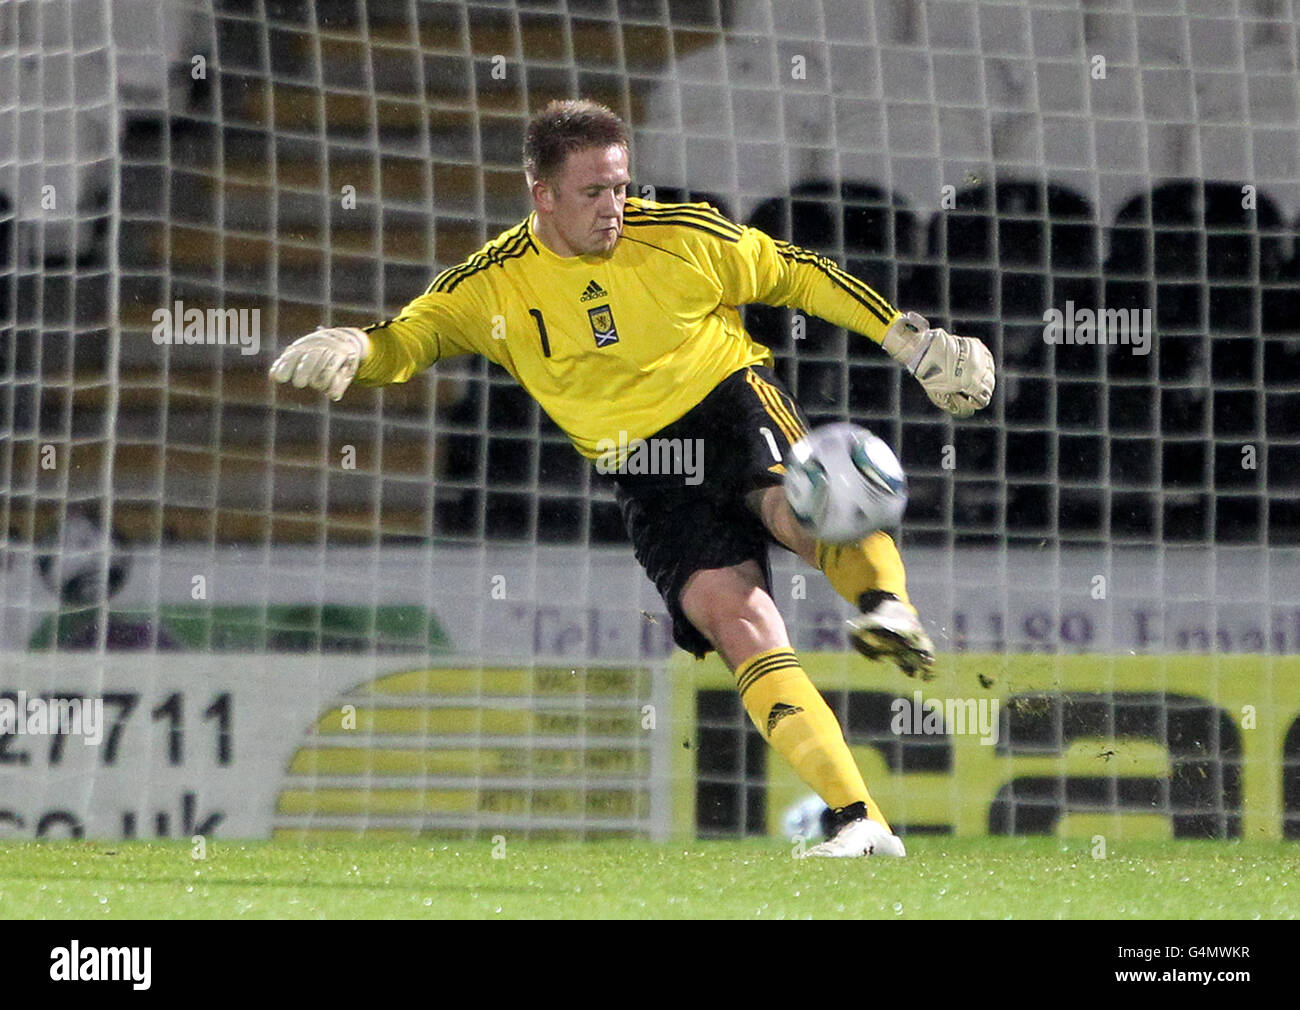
(795, 719)
(873, 563)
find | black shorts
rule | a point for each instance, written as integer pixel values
(682, 523)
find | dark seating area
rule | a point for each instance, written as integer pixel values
(1086, 440)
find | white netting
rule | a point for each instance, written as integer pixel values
(295, 164)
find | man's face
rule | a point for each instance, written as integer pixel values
(583, 203)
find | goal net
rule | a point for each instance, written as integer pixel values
(415, 610)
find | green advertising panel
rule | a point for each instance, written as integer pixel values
(1169, 746)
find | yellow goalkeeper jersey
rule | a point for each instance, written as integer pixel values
(623, 343)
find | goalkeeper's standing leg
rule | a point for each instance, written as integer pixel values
(731, 608)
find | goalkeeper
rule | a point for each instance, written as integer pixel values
(619, 316)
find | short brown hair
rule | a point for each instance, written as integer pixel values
(566, 126)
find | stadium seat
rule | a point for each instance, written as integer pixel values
(1185, 233)
(1009, 252)
(1281, 308)
(1214, 273)
(873, 233)
(6, 262)
(996, 262)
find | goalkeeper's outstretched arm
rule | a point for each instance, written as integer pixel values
(432, 327)
(957, 373)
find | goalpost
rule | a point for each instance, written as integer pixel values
(415, 609)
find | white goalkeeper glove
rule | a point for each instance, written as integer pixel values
(956, 372)
(326, 360)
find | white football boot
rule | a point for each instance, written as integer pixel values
(860, 836)
(889, 629)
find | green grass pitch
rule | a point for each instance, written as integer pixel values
(943, 878)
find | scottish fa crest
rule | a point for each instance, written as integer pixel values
(602, 325)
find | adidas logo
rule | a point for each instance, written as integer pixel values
(593, 292)
(779, 711)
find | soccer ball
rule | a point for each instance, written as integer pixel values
(843, 483)
(71, 562)
(806, 819)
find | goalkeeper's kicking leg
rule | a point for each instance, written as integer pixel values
(731, 608)
(869, 575)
